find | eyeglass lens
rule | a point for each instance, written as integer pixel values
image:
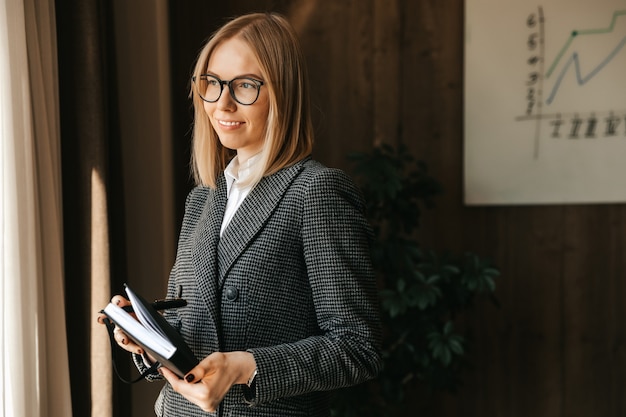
(244, 90)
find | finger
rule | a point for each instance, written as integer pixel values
(196, 393)
(120, 301)
(101, 318)
(196, 374)
(186, 390)
(126, 342)
(171, 377)
(204, 368)
(120, 336)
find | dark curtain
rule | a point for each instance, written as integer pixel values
(191, 23)
(89, 140)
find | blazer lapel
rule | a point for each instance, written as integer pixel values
(204, 251)
(252, 215)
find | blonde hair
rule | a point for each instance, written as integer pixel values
(289, 132)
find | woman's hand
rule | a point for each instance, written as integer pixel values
(121, 338)
(207, 383)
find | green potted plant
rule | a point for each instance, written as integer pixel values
(422, 292)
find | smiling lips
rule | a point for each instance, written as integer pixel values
(227, 123)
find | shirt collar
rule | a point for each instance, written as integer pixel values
(236, 172)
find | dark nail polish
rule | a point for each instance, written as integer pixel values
(189, 377)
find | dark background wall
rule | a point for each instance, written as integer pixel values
(389, 71)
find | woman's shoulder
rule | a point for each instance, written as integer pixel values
(198, 194)
(314, 171)
(196, 200)
(318, 182)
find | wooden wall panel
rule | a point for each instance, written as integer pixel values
(593, 310)
(389, 70)
(387, 27)
(337, 38)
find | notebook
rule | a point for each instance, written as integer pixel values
(153, 333)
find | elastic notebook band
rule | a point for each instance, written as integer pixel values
(110, 327)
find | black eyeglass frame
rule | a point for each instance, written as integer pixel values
(228, 83)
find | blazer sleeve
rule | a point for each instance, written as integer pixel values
(336, 248)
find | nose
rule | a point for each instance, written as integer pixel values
(226, 100)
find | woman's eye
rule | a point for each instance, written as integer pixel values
(245, 85)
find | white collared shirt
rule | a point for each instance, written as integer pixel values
(235, 174)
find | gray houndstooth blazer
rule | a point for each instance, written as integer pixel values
(290, 280)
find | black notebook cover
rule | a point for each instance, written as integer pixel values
(182, 360)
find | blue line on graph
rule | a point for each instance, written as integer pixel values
(582, 80)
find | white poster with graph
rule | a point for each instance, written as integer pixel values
(545, 102)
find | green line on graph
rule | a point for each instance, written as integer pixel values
(583, 32)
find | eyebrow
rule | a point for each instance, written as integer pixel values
(249, 75)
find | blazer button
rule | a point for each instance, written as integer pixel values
(231, 293)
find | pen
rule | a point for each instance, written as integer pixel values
(162, 304)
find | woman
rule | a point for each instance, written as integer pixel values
(273, 255)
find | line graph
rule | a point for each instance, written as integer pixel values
(579, 78)
(575, 60)
(576, 33)
(545, 102)
(580, 121)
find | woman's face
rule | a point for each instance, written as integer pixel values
(238, 126)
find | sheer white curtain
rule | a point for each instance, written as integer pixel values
(34, 376)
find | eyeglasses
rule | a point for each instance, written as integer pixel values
(244, 90)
